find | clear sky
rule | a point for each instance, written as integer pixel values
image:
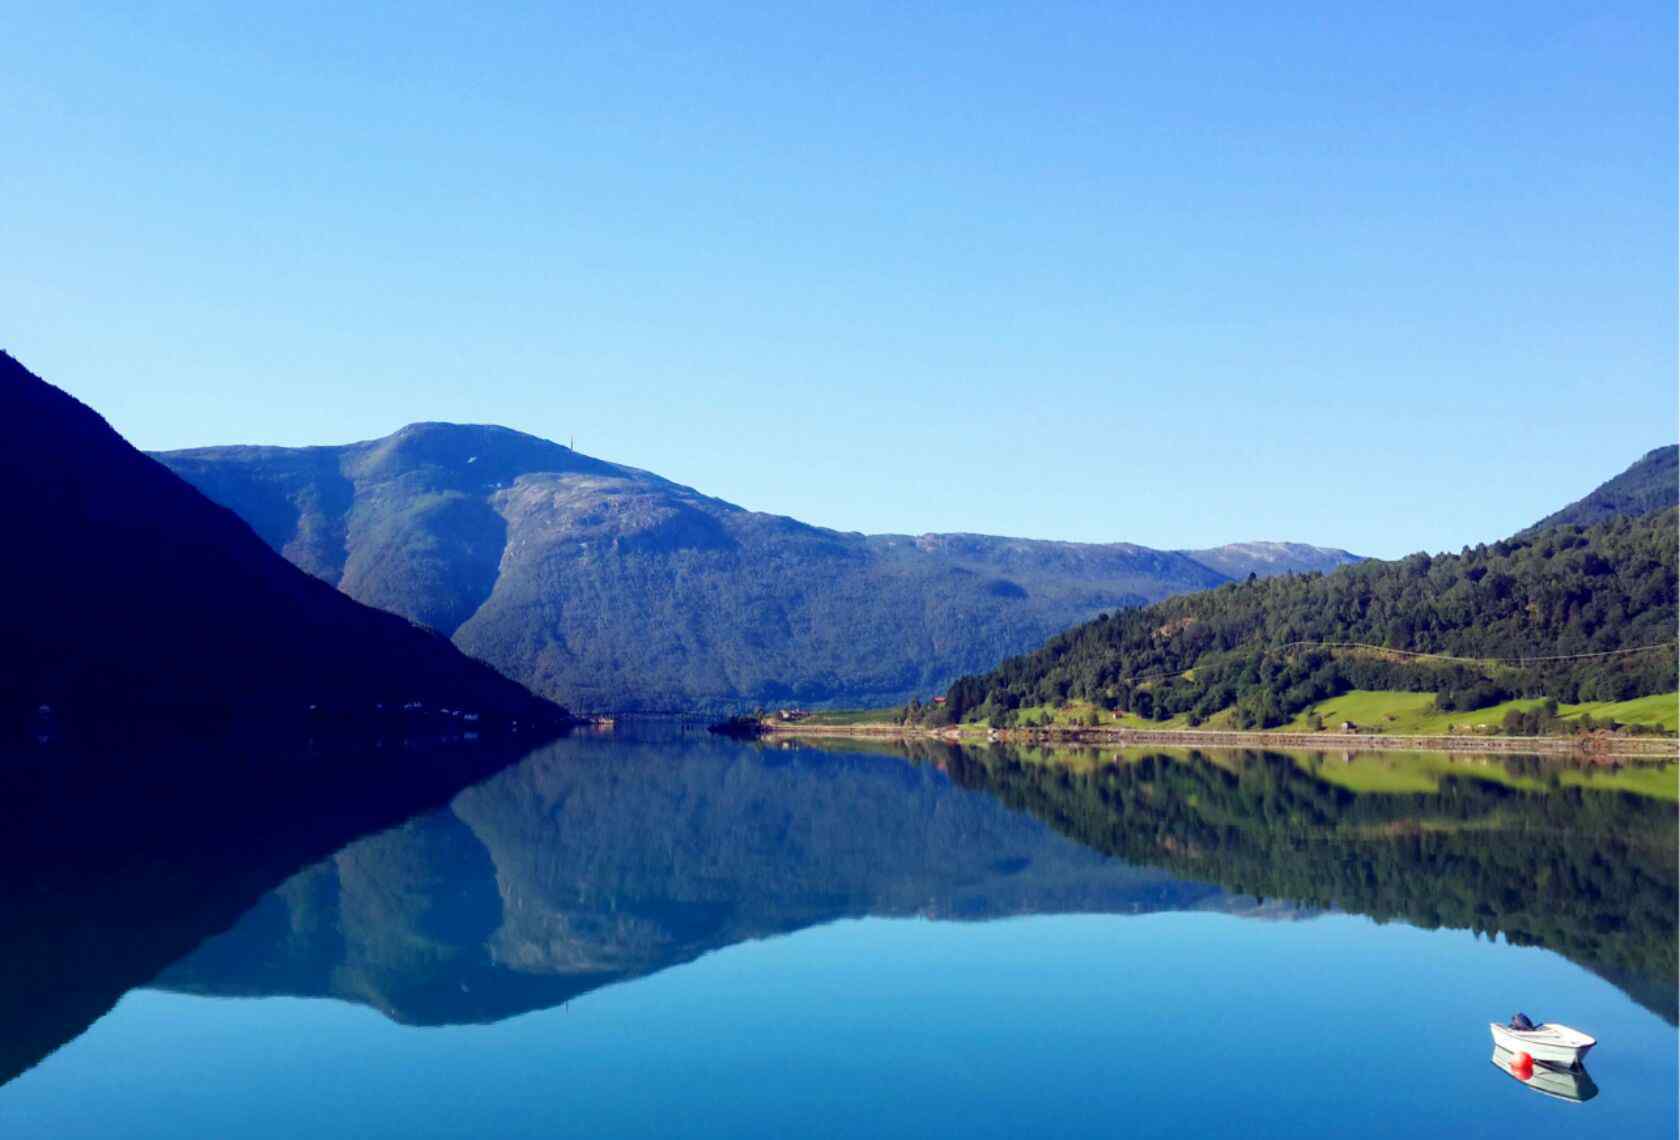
(1380, 276)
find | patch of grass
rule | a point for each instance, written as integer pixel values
(1415, 714)
(852, 716)
(1076, 714)
(1659, 709)
(1374, 710)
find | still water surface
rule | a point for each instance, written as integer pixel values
(665, 934)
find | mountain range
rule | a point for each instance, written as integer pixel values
(609, 587)
(129, 595)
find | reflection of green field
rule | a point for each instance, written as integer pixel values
(1415, 713)
(1391, 773)
(1657, 781)
(1422, 772)
(1363, 773)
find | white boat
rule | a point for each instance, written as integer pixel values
(1573, 1085)
(1557, 1044)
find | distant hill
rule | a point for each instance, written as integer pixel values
(1649, 485)
(1268, 559)
(610, 587)
(127, 593)
(1267, 650)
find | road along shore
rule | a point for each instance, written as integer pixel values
(1609, 746)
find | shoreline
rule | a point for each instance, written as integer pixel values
(1588, 748)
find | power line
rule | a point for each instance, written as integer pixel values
(1475, 660)
(1416, 653)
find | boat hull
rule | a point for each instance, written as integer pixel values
(1557, 1045)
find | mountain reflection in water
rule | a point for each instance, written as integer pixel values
(117, 860)
(595, 860)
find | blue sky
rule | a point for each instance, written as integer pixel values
(1386, 277)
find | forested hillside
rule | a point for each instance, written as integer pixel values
(1649, 485)
(1591, 611)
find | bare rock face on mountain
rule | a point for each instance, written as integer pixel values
(139, 597)
(610, 587)
(1268, 559)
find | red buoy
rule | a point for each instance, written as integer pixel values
(1522, 1066)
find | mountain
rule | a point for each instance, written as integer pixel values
(1593, 612)
(128, 594)
(1649, 485)
(610, 587)
(1269, 559)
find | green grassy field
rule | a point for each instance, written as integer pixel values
(853, 716)
(1404, 714)
(1415, 714)
(1076, 714)
(1660, 709)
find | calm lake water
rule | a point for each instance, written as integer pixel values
(665, 934)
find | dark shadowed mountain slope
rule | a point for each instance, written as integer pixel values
(127, 594)
(606, 586)
(1267, 559)
(1649, 485)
